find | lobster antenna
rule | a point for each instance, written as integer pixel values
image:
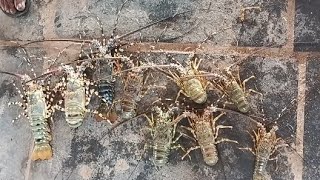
(151, 24)
(98, 59)
(118, 13)
(44, 75)
(235, 112)
(135, 168)
(56, 40)
(122, 36)
(12, 74)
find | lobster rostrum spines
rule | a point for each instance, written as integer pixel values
(108, 47)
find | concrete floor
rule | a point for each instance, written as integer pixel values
(279, 44)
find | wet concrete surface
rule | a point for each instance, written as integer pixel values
(93, 151)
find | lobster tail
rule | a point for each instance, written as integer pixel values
(106, 90)
(74, 122)
(41, 152)
(258, 176)
(161, 157)
(210, 155)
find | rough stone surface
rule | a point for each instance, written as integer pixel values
(307, 25)
(94, 151)
(311, 149)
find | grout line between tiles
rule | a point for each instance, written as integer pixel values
(300, 117)
(179, 48)
(290, 18)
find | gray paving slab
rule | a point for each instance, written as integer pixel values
(311, 147)
(307, 26)
(95, 152)
(51, 19)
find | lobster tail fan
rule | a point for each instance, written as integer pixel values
(41, 152)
